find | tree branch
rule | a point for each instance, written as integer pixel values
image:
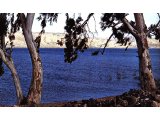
(89, 16)
(115, 24)
(158, 15)
(27, 26)
(149, 31)
(29, 22)
(9, 63)
(133, 31)
(107, 43)
(22, 17)
(2, 55)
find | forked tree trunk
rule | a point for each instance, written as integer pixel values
(34, 94)
(7, 60)
(145, 67)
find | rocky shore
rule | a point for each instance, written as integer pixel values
(132, 98)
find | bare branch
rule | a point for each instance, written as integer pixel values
(130, 28)
(9, 63)
(107, 43)
(90, 31)
(89, 16)
(2, 55)
(95, 24)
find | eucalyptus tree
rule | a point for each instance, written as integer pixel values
(35, 90)
(34, 94)
(120, 27)
(6, 57)
(76, 39)
(25, 22)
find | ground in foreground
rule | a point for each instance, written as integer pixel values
(132, 98)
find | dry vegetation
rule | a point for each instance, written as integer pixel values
(49, 40)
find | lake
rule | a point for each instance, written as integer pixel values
(89, 76)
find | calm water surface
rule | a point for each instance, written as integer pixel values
(88, 77)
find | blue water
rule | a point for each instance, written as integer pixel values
(89, 76)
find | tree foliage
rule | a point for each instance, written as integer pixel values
(3, 32)
(119, 30)
(47, 17)
(76, 37)
(154, 30)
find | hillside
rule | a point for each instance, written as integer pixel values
(49, 40)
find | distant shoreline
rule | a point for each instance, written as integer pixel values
(49, 40)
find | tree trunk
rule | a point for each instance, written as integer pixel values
(34, 94)
(16, 79)
(9, 63)
(1, 61)
(145, 67)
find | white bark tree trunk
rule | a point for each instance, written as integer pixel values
(34, 94)
(9, 63)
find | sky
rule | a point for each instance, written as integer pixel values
(59, 26)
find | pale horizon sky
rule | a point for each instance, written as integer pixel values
(59, 26)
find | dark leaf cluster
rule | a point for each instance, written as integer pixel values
(15, 23)
(111, 19)
(76, 38)
(47, 17)
(119, 30)
(155, 31)
(3, 24)
(3, 32)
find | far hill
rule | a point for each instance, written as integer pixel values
(49, 40)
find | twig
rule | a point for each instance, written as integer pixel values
(67, 15)
(95, 24)
(90, 31)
